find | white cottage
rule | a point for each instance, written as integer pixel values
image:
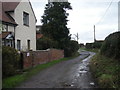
(18, 25)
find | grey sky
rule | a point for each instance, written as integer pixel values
(84, 15)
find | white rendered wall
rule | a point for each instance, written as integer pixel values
(23, 32)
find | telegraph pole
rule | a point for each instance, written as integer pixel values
(77, 36)
(94, 34)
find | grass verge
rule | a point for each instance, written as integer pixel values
(106, 71)
(13, 81)
(91, 50)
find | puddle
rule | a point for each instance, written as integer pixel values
(92, 83)
(78, 75)
(68, 85)
(72, 82)
(72, 85)
(75, 79)
(83, 72)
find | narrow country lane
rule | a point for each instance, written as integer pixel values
(73, 73)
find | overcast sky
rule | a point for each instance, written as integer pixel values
(84, 15)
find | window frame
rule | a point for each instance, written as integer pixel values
(25, 18)
(28, 44)
(18, 44)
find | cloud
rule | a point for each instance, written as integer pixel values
(85, 15)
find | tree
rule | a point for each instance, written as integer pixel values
(55, 23)
(45, 43)
(72, 48)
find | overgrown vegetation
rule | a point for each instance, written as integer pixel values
(13, 81)
(92, 50)
(72, 48)
(45, 43)
(10, 61)
(106, 71)
(105, 66)
(95, 45)
(111, 46)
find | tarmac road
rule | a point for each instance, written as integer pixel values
(73, 73)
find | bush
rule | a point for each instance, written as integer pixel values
(106, 71)
(71, 49)
(104, 79)
(89, 45)
(10, 61)
(111, 46)
(45, 43)
(95, 45)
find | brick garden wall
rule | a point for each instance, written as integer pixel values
(33, 58)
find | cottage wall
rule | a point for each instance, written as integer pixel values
(23, 32)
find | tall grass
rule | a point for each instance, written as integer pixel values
(106, 71)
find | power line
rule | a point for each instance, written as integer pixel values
(105, 12)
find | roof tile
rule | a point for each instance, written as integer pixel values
(7, 6)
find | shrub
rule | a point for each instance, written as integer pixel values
(104, 79)
(111, 46)
(96, 44)
(89, 45)
(45, 43)
(71, 49)
(106, 71)
(10, 61)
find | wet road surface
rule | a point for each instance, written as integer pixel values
(73, 73)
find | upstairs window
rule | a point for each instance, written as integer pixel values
(25, 19)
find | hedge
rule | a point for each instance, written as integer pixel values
(10, 61)
(111, 46)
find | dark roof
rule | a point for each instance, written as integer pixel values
(39, 35)
(7, 7)
(4, 34)
(10, 6)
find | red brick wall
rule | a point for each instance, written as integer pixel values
(33, 58)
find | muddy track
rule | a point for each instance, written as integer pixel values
(73, 73)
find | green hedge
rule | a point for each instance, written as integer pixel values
(111, 46)
(45, 43)
(96, 44)
(89, 45)
(10, 61)
(71, 49)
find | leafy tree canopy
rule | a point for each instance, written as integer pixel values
(54, 27)
(55, 22)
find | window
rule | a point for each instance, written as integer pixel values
(28, 43)
(19, 45)
(25, 18)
